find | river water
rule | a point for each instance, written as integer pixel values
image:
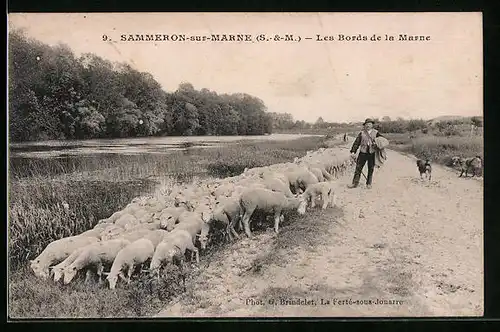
(130, 146)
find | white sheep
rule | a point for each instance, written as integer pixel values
(146, 218)
(172, 250)
(111, 231)
(228, 212)
(191, 199)
(156, 236)
(134, 235)
(141, 213)
(301, 178)
(223, 190)
(113, 217)
(96, 255)
(157, 207)
(325, 189)
(274, 183)
(58, 270)
(276, 174)
(168, 217)
(57, 251)
(92, 233)
(126, 219)
(269, 201)
(144, 226)
(133, 255)
(204, 210)
(193, 223)
(317, 172)
(316, 161)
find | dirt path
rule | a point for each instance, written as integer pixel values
(404, 240)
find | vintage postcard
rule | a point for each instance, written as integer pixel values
(245, 165)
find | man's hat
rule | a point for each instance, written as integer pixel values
(368, 120)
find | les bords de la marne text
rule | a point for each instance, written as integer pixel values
(251, 38)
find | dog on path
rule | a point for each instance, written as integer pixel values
(424, 168)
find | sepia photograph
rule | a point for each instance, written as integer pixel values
(209, 165)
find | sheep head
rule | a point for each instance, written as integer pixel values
(205, 212)
(302, 205)
(167, 221)
(203, 238)
(298, 202)
(69, 274)
(113, 278)
(41, 272)
(57, 273)
(156, 262)
(34, 263)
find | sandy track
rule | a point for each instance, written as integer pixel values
(404, 240)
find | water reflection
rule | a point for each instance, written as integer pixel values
(154, 145)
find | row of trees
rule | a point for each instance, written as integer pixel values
(55, 95)
(285, 121)
(446, 127)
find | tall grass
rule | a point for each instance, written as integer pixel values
(93, 188)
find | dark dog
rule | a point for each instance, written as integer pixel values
(468, 165)
(424, 167)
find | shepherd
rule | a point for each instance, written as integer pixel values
(371, 146)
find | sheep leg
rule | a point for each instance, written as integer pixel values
(230, 226)
(122, 276)
(182, 272)
(326, 175)
(194, 251)
(246, 222)
(228, 234)
(129, 273)
(233, 231)
(324, 197)
(277, 217)
(227, 231)
(88, 276)
(333, 199)
(100, 269)
(313, 200)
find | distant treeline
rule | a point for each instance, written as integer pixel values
(55, 95)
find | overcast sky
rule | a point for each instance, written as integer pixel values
(339, 81)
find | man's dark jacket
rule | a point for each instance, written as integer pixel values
(357, 141)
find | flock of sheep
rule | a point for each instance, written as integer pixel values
(162, 230)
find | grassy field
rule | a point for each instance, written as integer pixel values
(95, 187)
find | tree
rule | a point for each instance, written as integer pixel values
(55, 95)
